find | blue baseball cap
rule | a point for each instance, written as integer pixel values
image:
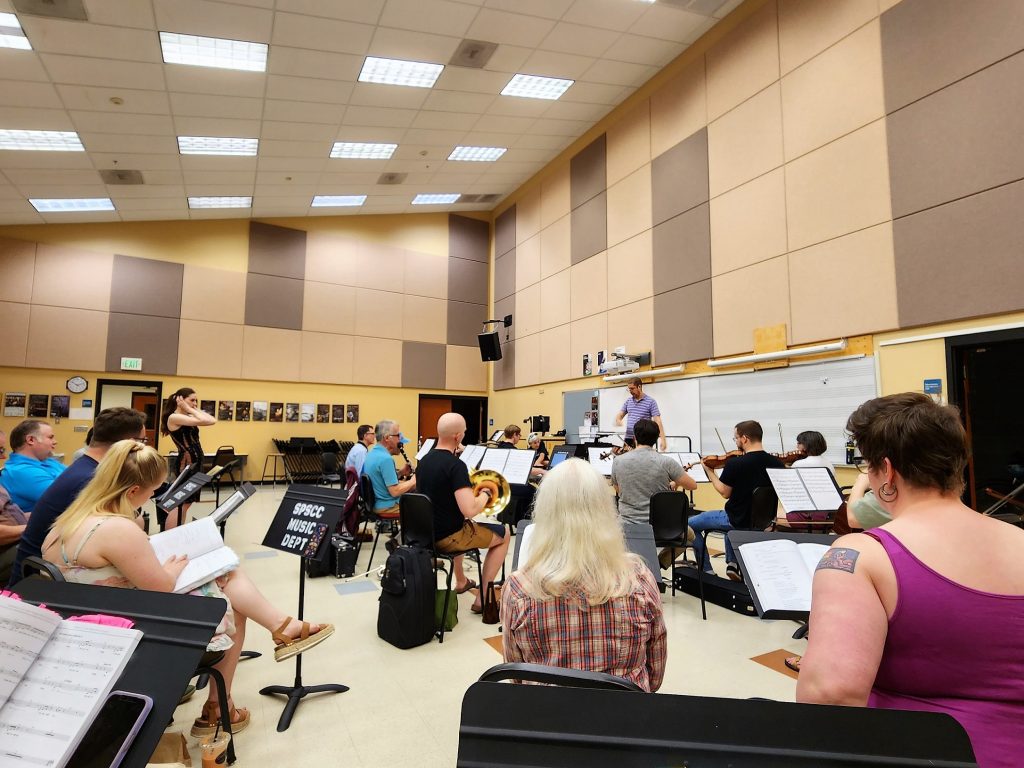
(402, 438)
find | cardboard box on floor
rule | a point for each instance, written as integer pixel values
(171, 752)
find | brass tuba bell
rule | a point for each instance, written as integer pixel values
(496, 503)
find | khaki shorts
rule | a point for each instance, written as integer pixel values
(471, 536)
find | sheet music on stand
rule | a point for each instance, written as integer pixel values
(806, 489)
(514, 464)
(428, 444)
(233, 502)
(603, 465)
(697, 471)
(472, 454)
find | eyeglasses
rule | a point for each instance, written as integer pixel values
(399, 435)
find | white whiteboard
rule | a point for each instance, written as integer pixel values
(817, 397)
(678, 401)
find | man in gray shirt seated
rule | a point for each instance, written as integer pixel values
(642, 472)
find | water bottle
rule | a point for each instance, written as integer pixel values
(850, 450)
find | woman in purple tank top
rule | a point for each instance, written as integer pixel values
(926, 612)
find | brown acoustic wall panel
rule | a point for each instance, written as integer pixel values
(505, 232)
(273, 302)
(504, 370)
(682, 250)
(154, 339)
(468, 238)
(928, 44)
(467, 281)
(589, 228)
(588, 172)
(961, 259)
(464, 322)
(505, 275)
(277, 250)
(423, 365)
(146, 286)
(682, 324)
(679, 177)
(502, 307)
(961, 140)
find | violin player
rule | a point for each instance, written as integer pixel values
(740, 476)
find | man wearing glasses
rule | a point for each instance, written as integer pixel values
(379, 466)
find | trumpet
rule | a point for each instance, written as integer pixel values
(498, 501)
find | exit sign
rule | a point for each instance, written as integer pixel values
(131, 363)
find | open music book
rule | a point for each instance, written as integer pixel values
(471, 455)
(208, 558)
(806, 489)
(54, 677)
(514, 464)
(780, 572)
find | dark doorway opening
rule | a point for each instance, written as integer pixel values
(985, 371)
(472, 409)
(145, 396)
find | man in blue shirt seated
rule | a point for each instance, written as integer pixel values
(31, 467)
(380, 468)
(111, 425)
(357, 455)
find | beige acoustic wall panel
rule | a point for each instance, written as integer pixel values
(554, 354)
(745, 142)
(423, 365)
(528, 262)
(274, 354)
(463, 369)
(630, 270)
(528, 216)
(554, 196)
(629, 206)
(507, 306)
(827, 301)
(763, 292)
(834, 93)
(678, 108)
(72, 277)
(379, 313)
(213, 350)
(14, 318)
(328, 308)
(840, 188)
(51, 346)
(555, 295)
(588, 282)
(377, 362)
(744, 62)
(587, 337)
(528, 360)
(629, 142)
(154, 339)
(327, 357)
(426, 274)
(808, 27)
(748, 223)
(332, 258)
(17, 268)
(555, 247)
(424, 319)
(632, 327)
(213, 295)
(381, 267)
(527, 313)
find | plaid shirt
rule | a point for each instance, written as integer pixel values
(624, 637)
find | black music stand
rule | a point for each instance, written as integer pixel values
(739, 538)
(184, 490)
(302, 504)
(176, 630)
(557, 726)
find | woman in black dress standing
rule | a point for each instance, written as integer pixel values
(181, 419)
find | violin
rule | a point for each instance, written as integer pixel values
(715, 461)
(789, 457)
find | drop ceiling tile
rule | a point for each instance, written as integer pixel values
(218, 190)
(508, 58)
(458, 101)
(148, 190)
(548, 9)
(273, 129)
(501, 27)
(637, 49)
(444, 121)
(516, 107)
(550, 143)
(308, 89)
(280, 148)
(28, 118)
(95, 40)
(227, 82)
(427, 136)
(330, 182)
(503, 123)
(414, 46)
(219, 213)
(129, 161)
(87, 217)
(436, 16)
(567, 110)
(21, 218)
(519, 155)
(10, 160)
(579, 39)
(321, 34)
(154, 215)
(279, 206)
(80, 70)
(557, 64)
(154, 179)
(549, 127)
(133, 143)
(120, 13)
(194, 105)
(366, 11)
(179, 204)
(490, 138)
(219, 126)
(472, 80)
(396, 96)
(609, 14)
(28, 94)
(135, 124)
(11, 205)
(291, 164)
(314, 64)
(668, 23)
(619, 73)
(22, 65)
(374, 134)
(195, 178)
(214, 163)
(23, 178)
(302, 193)
(596, 93)
(97, 99)
(378, 117)
(302, 111)
(211, 19)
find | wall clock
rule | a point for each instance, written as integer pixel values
(77, 384)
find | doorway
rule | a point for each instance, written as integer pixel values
(145, 396)
(472, 409)
(984, 370)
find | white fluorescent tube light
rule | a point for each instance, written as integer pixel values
(335, 201)
(42, 141)
(220, 202)
(536, 87)
(213, 52)
(217, 145)
(362, 151)
(435, 199)
(11, 33)
(417, 74)
(641, 374)
(782, 354)
(477, 154)
(69, 204)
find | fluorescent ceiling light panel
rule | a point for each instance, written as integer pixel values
(213, 52)
(417, 74)
(43, 141)
(360, 151)
(220, 202)
(11, 33)
(65, 205)
(477, 154)
(337, 201)
(536, 87)
(217, 145)
(435, 199)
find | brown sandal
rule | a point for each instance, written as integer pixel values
(209, 721)
(285, 647)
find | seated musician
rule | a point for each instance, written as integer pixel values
(444, 479)
(740, 476)
(581, 600)
(96, 541)
(522, 493)
(536, 444)
(381, 469)
(928, 609)
(812, 444)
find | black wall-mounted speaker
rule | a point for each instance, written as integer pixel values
(490, 346)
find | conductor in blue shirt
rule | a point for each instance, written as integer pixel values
(640, 406)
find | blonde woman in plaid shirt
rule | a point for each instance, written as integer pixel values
(581, 600)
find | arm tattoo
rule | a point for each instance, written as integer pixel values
(839, 560)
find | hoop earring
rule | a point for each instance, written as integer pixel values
(888, 495)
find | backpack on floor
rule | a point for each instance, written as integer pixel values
(405, 617)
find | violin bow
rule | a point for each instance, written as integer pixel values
(724, 449)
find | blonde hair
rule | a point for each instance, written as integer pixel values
(577, 540)
(127, 464)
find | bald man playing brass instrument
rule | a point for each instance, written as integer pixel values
(444, 479)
